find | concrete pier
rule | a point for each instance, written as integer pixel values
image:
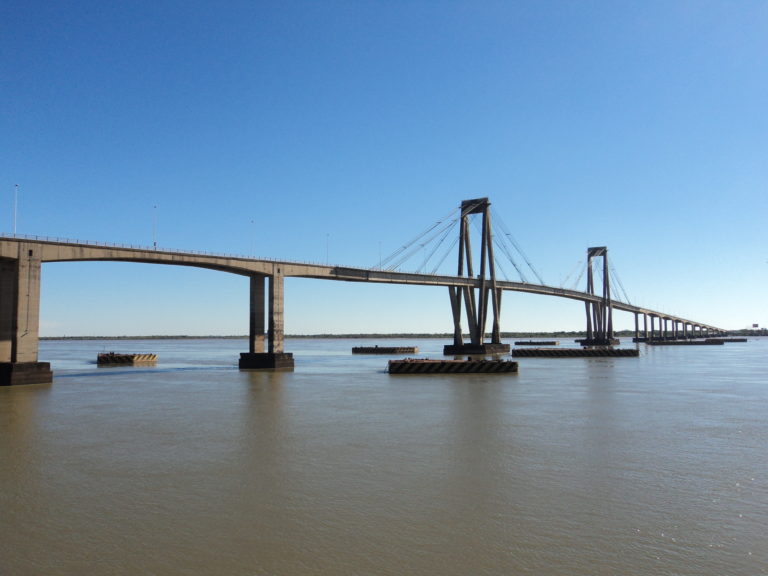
(275, 357)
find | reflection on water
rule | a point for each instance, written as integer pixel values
(572, 466)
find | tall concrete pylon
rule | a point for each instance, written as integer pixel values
(599, 314)
(475, 302)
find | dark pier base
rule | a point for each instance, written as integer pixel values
(477, 349)
(266, 361)
(15, 373)
(574, 352)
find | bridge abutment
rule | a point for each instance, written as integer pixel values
(20, 320)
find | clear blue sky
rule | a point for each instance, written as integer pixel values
(338, 131)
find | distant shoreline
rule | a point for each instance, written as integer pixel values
(562, 334)
(306, 336)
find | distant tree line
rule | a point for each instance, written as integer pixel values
(446, 335)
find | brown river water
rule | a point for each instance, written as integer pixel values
(580, 466)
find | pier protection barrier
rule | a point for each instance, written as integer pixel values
(385, 350)
(475, 349)
(114, 359)
(708, 342)
(598, 341)
(574, 352)
(428, 366)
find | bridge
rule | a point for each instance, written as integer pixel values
(21, 259)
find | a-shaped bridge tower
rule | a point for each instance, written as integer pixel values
(476, 301)
(599, 313)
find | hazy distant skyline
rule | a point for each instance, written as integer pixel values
(338, 131)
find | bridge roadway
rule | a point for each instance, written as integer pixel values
(21, 258)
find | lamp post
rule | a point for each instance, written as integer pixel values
(15, 206)
(154, 226)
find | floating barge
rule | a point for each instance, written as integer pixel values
(112, 359)
(385, 350)
(538, 343)
(429, 366)
(574, 352)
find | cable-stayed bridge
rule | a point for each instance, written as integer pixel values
(475, 292)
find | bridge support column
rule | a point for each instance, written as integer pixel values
(257, 316)
(20, 320)
(637, 337)
(275, 357)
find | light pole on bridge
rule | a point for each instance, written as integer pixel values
(15, 206)
(154, 226)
